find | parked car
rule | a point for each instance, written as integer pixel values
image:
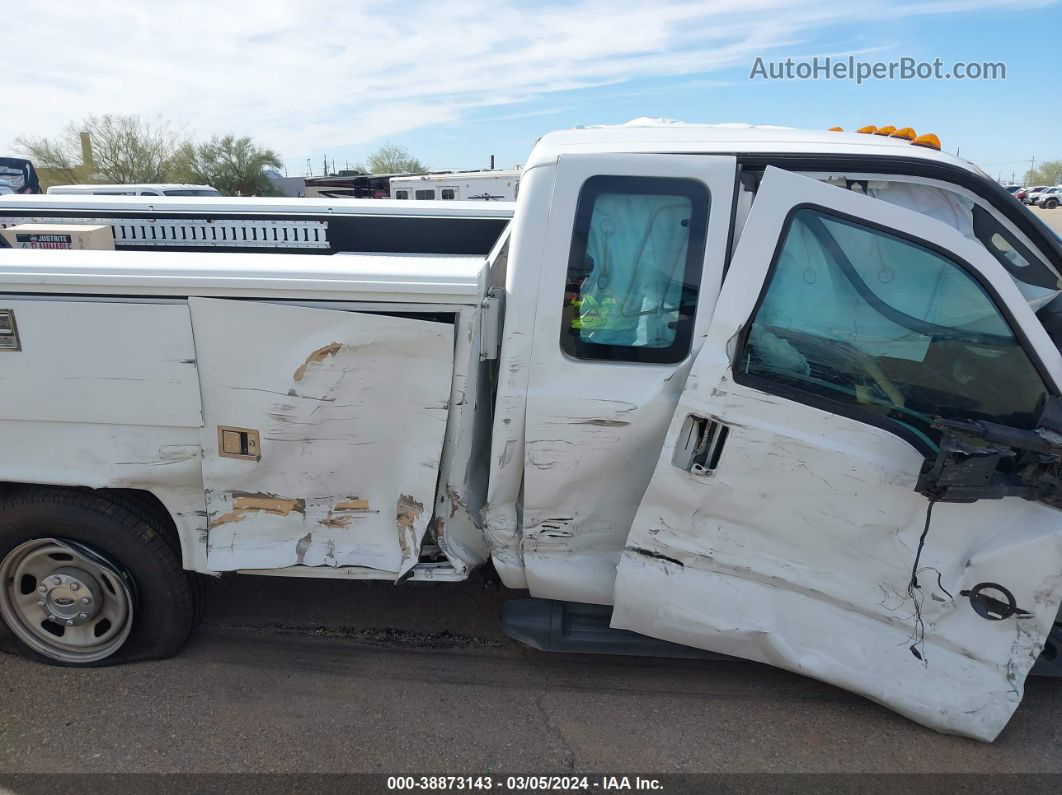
(1033, 193)
(145, 189)
(1050, 198)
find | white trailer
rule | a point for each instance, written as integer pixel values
(493, 186)
(788, 396)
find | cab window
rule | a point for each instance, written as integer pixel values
(634, 269)
(885, 329)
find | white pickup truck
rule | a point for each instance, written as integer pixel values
(785, 395)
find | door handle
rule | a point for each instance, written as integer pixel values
(700, 445)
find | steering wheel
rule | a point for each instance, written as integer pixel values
(883, 382)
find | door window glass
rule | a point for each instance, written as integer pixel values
(861, 317)
(634, 269)
(448, 193)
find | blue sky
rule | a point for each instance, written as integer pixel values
(458, 81)
(991, 122)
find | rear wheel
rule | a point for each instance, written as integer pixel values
(87, 581)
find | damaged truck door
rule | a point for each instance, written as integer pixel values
(789, 519)
(323, 431)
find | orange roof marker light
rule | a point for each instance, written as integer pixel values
(906, 133)
(836, 129)
(928, 140)
(870, 128)
(888, 129)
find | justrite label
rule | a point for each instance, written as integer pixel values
(43, 241)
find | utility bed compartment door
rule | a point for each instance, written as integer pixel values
(323, 433)
(782, 523)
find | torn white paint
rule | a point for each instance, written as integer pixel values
(351, 409)
(798, 549)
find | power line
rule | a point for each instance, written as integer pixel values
(1005, 162)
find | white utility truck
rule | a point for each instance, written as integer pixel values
(784, 395)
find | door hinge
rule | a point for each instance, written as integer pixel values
(490, 320)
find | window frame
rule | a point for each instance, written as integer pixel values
(851, 411)
(700, 197)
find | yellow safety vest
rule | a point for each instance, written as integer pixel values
(590, 313)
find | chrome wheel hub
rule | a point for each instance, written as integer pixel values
(65, 600)
(70, 596)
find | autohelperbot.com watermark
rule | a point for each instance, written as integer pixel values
(850, 68)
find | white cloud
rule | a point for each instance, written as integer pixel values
(314, 75)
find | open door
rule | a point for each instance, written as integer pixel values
(323, 433)
(854, 486)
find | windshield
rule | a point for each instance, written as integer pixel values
(192, 192)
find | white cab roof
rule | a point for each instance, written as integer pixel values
(405, 278)
(665, 136)
(281, 206)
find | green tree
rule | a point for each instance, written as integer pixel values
(121, 149)
(394, 159)
(235, 166)
(1047, 173)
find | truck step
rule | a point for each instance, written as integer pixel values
(551, 625)
(1049, 663)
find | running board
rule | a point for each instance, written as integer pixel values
(550, 625)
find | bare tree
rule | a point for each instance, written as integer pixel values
(394, 159)
(124, 149)
(235, 166)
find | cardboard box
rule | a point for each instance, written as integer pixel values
(52, 236)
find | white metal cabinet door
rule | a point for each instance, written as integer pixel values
(351, 410)
(796, 546)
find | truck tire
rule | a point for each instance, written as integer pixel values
(87, 580)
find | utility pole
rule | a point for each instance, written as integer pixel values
(324, 173)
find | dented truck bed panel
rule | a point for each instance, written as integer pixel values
(805, 545)
(349, 409)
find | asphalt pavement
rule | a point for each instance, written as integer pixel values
(290, 675)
